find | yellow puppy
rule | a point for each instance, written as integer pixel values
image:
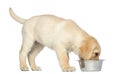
(62, 35)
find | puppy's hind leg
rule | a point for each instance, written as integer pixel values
(37, 47)
(28, 42)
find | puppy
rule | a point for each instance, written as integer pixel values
(61, 35)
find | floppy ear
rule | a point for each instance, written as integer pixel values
(85, 49)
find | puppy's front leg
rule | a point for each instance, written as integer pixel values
(63, 59)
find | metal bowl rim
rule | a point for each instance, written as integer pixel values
(91, 60)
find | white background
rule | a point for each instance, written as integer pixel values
(100, 18)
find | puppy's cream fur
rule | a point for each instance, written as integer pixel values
(62, 35)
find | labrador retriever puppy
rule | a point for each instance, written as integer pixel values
(61, 35)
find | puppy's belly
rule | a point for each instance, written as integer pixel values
(46, 42)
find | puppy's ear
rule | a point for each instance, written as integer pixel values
(85, 49)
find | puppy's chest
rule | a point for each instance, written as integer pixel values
(70, 46)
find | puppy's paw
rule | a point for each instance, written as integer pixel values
(68, 69)
(36, 68)
(24, 68)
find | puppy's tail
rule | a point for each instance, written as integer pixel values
(17, 18)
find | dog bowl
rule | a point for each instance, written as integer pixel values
(90, 65)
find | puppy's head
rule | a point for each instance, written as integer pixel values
(90, 49)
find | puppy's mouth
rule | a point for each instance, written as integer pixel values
(92, 58)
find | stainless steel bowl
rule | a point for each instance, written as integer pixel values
(90, 65)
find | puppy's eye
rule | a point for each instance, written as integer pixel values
(96, 54)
